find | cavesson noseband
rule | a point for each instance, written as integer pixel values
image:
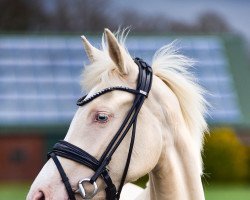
(72, 152)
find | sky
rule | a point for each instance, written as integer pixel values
(235, 12)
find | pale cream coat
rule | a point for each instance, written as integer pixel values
(169, 133)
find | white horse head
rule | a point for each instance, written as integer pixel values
(169, 132)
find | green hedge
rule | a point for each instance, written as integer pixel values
(225, 158)
(248, 163)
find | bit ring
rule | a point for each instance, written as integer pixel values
(82, 191)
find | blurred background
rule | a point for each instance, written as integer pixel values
(41, 59)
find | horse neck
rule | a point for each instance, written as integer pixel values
(176, 176)
(177, 173)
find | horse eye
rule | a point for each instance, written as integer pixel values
(101, 117)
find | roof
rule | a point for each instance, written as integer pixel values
(40, 75)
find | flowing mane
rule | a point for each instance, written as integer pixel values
(172, 68)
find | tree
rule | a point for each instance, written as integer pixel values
(211, 22)
(20, 15)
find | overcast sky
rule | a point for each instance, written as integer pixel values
(235, 12)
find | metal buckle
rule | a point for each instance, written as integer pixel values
(143, 92)
(82, 191)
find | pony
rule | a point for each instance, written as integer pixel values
(169, 135)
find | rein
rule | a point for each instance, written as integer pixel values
(72, 152)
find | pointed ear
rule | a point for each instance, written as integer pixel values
(115, 51)
(92, 52)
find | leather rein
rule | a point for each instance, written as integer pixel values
(72, 152)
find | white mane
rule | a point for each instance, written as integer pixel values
(172, 68)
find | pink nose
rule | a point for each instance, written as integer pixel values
(39, 195)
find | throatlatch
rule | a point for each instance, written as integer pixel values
(72, 152)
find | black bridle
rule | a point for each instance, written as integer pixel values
(72, 152)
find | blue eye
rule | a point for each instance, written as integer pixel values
(101, 117)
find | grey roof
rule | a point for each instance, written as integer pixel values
(40, 75)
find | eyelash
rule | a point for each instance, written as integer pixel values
(103, 115)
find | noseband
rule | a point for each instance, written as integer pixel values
(72, 152)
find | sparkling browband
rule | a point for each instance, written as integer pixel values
(83, 100)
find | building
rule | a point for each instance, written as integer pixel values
(39, 87)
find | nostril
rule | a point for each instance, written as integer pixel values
(39, 195)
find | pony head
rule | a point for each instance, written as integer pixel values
(164, 122)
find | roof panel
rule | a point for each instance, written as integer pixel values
(39, 76)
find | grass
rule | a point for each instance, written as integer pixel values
(13, 191)
(18, 191)
(227, 192)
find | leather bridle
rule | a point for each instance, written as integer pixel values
(72, 152)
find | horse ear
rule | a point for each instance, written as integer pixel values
(115, 51)
(92, 52)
